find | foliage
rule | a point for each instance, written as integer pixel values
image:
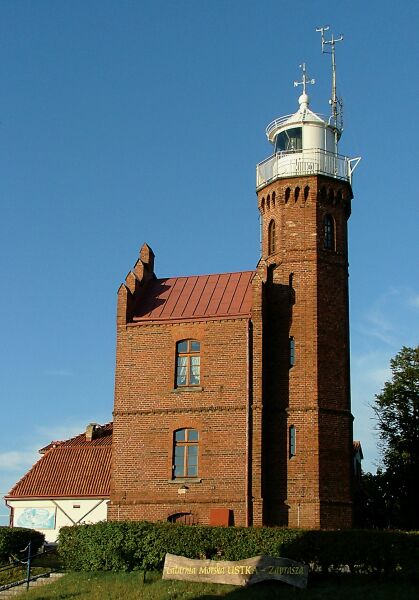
(397, 413)
(126, 546)
(15, 539)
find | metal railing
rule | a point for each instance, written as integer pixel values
(273, 125)
(25, 565)
(303, 162)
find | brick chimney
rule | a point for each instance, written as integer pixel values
(91, 431)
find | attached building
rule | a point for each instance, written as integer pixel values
(70, 484)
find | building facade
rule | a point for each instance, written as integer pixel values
(232, 394)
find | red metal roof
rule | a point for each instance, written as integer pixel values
(197, 297)
(73, 469)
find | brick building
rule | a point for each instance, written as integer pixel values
(232, 399)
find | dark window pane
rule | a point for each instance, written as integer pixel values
(289, 140)
(195, 346)
(180, 435)
(292, 351)
(192, 453)
(179, 471)
(192, 471)
(292, 440)
(192, 435)
(182, 346)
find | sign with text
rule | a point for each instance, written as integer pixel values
(240, 572)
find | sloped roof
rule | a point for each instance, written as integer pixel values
(72, 469)
(215, 296)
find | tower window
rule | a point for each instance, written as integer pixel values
(296, 193)
(188, 363)
(292, 351)
(306, 192)
(292, 441)
(287, 194)
(185, 453)
(290, 140)
(273, 199)
(271, 237)
(329, 233)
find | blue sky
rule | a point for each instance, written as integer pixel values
(130, 121)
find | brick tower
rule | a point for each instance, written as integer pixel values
(304, 198)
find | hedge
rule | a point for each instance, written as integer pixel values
(126, 546)
(15, 539)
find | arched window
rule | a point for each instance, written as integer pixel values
(271, 237)
(329, 233)
(185, 453)
(296, 193)
(306, 192)
(268, 201)
(273, 199)
(188, 363)
(287, 194)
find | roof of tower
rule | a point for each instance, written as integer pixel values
(216, 296)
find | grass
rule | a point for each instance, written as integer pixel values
(130, 586)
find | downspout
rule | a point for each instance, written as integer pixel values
(248, 400)
(11, 512)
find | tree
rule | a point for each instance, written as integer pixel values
(397, 413)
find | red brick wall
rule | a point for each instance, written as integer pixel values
(148, 408)
(307, 298)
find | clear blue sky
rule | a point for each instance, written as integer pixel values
(130, 121)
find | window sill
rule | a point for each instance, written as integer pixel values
(180, 480)
(187, 388)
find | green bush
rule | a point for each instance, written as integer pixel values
(15, 539)
(126, 546)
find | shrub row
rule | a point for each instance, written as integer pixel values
(15, 539)
(126, 546)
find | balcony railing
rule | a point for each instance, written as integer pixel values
(303, 162)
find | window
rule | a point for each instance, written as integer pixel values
(188, 363)
(292, 351)
(185, 463)
(271, 237)
(289, 140)
(292, 441)
(329, 233)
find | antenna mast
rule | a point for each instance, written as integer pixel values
(335, 102)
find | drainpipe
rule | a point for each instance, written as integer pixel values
(11, 512)
(248, 401)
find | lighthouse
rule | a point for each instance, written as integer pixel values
(304, 191)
